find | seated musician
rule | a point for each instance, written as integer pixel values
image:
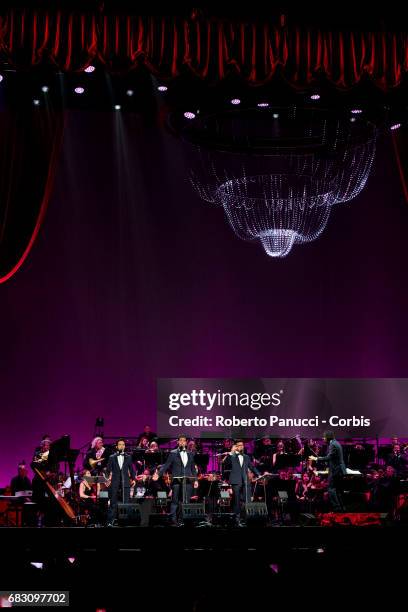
(97, 457)
(302, 487)
(398, 461)
(88, 498)
(153, 447)
(143, 443)
(21, 482)
(227, 445)
(384, 490)
(41, 463)
(146, 433)
(192, 447)
(40, 457)
(280, 450)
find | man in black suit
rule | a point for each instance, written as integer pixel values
(337, 470)
(121, 475)
(239, 464)
(180, 462)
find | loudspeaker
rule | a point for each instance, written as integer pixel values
(193, 512)
(256, 512)
(129, 515)
(256, 509)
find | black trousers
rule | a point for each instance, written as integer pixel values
(115, 497)
(177, 496)
(240, 492)
(335, 491)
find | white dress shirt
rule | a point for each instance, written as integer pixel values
(121, 459)
(241, 459)
(184, 458)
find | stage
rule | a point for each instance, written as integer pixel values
(205, 566)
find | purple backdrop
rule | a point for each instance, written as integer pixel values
(134, 278)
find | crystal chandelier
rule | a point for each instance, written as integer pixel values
(278, 185)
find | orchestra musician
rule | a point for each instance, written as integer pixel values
(239, 463)
(280, 450)
(41, 462)
(21, 482)
(180, 463)
(398, 461)
(121, 476)
(88, 498)
(146, 433)
(337, 470)
(97, 457)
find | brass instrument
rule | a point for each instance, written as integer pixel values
(93, 462)
(41, 457)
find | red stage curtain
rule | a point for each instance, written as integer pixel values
(209, 48)
(30, 143)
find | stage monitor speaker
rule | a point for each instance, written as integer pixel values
(129, 515)
(193, 512)
(256, 512)
(256, 509)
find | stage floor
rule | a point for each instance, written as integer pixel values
(266, 538)
(202, 569)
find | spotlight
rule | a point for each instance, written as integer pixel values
(79, 90)
(235, 101)
(130, 93)
(36, 102)
(263, 104)
(71, 560)
(315, 97)
(162, 88)
(1, 78)
(275, 115)
(352, 119)
(117, 107)
(90, 69)
(45, 88)
(189, 115)
(356, 111)
(395, 126)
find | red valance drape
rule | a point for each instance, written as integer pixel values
(211, 49)
(29, 147)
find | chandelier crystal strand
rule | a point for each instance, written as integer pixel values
(285, 197)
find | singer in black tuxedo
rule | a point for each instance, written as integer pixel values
(239, 464)
(180, 462)
(121, 473)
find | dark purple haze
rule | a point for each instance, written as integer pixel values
(134, 278)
